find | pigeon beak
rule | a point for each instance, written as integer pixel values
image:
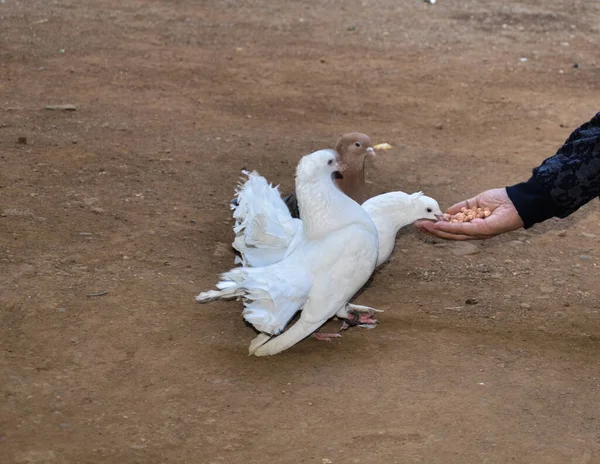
(440, 217)
(370, 151)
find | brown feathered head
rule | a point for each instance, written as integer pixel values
(353, 149)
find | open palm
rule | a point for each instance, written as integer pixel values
(504, 218)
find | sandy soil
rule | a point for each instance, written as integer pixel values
(129, 193)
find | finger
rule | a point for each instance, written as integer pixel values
(463, 204)
(473, 228)
(427, 228)
(424, 224)
(455, 237)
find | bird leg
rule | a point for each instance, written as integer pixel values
(325, 337)
(353, 315)
(361, 316)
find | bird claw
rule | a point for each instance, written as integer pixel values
(368, 326)
(365, 319)
(325, 337)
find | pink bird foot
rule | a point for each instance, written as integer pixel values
(365, 319)
(326, 337)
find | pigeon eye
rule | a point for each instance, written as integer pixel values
(357, 144)
(429, 210)
(330, 162)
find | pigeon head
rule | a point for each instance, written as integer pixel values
(321, 163)
(425, 207)
(353, 149)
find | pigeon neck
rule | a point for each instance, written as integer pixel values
(387, 240)
(324, 208)
(353, 185)
(387, 226)
(390, 212)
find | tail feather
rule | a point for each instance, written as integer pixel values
(287, 339)
(263, 226)
(272, 295)
(228, 290)
(256, 256)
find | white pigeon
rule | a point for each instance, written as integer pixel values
(266, 232)
(331, 259)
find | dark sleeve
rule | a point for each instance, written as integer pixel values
(564, 182)
(292, 203)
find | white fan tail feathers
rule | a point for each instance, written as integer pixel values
(228, 290)
(280, 298)
(272, 295)
(263, 226)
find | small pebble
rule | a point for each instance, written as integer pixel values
(471, 301)
(584, 257)
(66, 107)
(525, 306)
(62, 310)
(351, 28)
(562, 233)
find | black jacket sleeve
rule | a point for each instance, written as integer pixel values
(564, 182)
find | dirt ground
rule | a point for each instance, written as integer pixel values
(129, 193)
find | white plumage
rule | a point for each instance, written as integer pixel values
(264, 227)
(394, 210)
(332, 256)
(264, 210)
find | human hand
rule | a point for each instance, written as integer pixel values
(504, 218)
